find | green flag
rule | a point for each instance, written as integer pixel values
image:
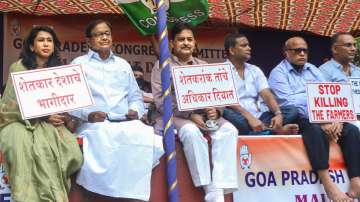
(142, 13)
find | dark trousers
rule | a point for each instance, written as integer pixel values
(290, 115)
(317, 146)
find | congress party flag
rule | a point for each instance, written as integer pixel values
(142, 13)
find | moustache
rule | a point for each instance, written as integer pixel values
(186, 47)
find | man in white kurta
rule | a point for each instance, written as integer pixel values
(118, 156)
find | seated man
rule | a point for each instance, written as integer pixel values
(222, 177)
(119, 150)
(145, 87)
(340, 68)
(250, 83)
(288, 82)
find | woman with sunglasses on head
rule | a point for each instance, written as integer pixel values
(40, 153)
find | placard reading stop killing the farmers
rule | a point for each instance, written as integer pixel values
(329, 102)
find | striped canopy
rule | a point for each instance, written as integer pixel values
(323, 17)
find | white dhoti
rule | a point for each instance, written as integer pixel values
(118, 158)
(223, 151)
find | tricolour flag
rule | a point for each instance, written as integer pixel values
(142, 13)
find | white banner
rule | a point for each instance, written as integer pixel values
(329, 102)
(285, 175)
(47, 91)
(355, 85)
(207, 85)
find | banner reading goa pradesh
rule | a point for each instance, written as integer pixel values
(142, 13)
(276, 169)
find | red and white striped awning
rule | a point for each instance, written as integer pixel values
(323, 17)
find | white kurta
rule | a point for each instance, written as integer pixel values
(118, 157)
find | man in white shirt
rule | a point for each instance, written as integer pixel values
(119, 150)
(251, 84)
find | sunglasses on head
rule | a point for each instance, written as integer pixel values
(299, 50)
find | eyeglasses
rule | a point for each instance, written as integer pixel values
(101, 34)
(348, 45)
(299, 50)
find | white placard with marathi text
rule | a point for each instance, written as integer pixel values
(206, 85)
(355, 85)
(47, 91)
(329, 102)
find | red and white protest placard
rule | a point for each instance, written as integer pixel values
(355, 86)
(206, 85)
(47, 91)
(328, 102)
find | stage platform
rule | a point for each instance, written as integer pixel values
(187, 191)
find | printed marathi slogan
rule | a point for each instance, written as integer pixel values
(200, 86)
(329, 102)
(47, 91)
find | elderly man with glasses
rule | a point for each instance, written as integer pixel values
(119, 150)
(288, 81)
